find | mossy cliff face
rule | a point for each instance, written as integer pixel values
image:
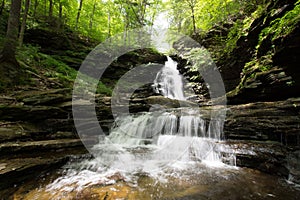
(257, 53)
(271, 73)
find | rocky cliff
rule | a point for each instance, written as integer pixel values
(257, 54)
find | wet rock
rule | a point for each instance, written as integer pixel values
(169, 103)
(48, 97)
(268, 157)
(265, 121)
(128, 61)
(32, 113)
(293, 164)
(45, 145)
(12, 131)
(16, 170)
(6, 100)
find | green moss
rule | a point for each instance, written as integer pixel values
(255, 66)
(199, 58)
(286, 24)
(28, 54)
(42, 65)
(103, 89)
(57, 70)
(241, 28)
(233, 36)
(262, 64)
(281, 26)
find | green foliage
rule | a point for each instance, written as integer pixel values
(235, 33)
(103, 89)
(281, 26)
(208, 13)
(262, 64)
(96, 20)
(255, 66)
(28, 54)
(45, 65)
(49, 67)
(57, 69)
(241, 28)
(199, 59)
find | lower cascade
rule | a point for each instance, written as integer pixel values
(151, 141)
(156, 144)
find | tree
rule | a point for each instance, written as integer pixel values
(50, 8)
(35, 8)
(60, 13)
(180, 19)
(2, 6)
(92, 17)
(192, 5)
(9, 67)
(23, 25)
(78, 14)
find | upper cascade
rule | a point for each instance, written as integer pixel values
(169, 82)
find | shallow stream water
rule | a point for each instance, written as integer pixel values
(198, 181)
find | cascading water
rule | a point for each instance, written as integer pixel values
(152, 143)
(168, 81)
(170, 136)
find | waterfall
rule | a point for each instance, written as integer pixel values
(179, 134)
(168, 136)
(143, 140)
(169, 82)
(152, 143)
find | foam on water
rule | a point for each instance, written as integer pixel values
(155, 144)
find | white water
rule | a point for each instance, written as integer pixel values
(162, 137)
(152, 143)
(168, 81)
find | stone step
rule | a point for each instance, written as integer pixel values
(15, 148)
(268, 157)
(31, 113)
(17, 170)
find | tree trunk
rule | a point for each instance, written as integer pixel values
(192, 4)
(45, 8)
(9, 67)
(34, 8)
(23, 25)
(78, 14)
(60, 10)
(10, 44)
(92, 18)
(194, 21)
(50, 8)
(2, 6)
(108, 25)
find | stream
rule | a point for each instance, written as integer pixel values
(163, 154)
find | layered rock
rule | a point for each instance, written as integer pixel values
(257, 61)
(268, 132)
(36, 134)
